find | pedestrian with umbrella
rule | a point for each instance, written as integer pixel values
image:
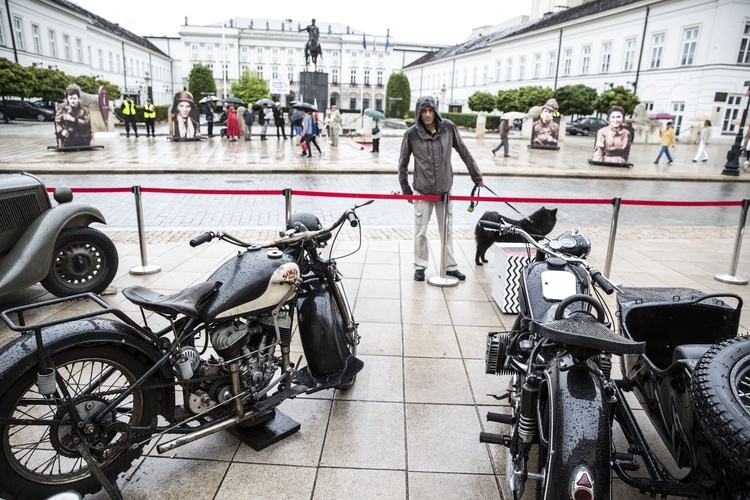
(278, 120)
(309, 131)
(667, 140)
(208, 110)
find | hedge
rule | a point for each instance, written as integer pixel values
(467, 120)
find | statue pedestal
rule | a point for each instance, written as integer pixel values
(313, 88)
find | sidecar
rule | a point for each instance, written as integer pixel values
(680, 326)
(51, 244)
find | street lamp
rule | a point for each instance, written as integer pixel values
(732, 167)
(149, 91)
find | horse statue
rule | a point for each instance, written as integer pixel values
(312, 47)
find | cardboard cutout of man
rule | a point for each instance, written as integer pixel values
(73, 121)
(547, 127)
(613, 141)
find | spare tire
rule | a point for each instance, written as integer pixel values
(720, 390)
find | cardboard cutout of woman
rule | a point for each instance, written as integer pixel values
(613, 141)
(185, 117)
(547, 127)
(73, 121)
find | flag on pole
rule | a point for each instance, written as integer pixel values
(387, 43)
(374, 48)
(364, 42)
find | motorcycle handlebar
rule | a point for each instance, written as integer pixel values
(505, 228)
(352, 218)
(201, 239)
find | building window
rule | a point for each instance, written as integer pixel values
(509, 69)
(2, 33)
(79, 51)
(18, 27)
(290, 52)
(379, 103)
(606, 56)
(66, 47)
(732, 113)
(274, 51)
(537, 65)
(334, 53)
(101, 59)
(649, 105)
(567, 61)
(290, 73)
(629, 54)
(552, 64)
(259, 50)
(744, 55)
(118, 63)
(353, 76)
(473, 77)
(259, 70)
(498, 70)
(365, 102)
(35, 41)
(678, 109)
(521, 66)
(335, 74)
(274, 72)
(689, 42)
(352, 103)
(657, 50)
(367, 77)
(111, 62)
(485, 74)
(585, 59)
(380, 78)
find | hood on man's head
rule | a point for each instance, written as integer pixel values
(427, 101)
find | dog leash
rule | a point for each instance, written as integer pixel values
(477, 189)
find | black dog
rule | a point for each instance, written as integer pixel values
(538, 224)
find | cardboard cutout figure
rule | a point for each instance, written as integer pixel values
(185, 118)
(612, 146)
(547, 127)
(73, 121)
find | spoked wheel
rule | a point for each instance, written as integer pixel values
(85, 260)
(351, 336)
(720, 390)
(40, 460)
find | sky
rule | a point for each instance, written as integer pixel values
(407, 20)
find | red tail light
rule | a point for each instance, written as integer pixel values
(583, 486)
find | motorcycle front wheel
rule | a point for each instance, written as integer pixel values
(720, 391)
(41, 460)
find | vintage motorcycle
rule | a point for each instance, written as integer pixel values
(681, 357)
(81, 395)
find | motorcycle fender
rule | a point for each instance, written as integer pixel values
(321, 330)
(581, 435)
(29, 260)
(19, 356)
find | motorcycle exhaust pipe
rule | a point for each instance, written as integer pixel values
(189, 438)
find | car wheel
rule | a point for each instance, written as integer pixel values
(85, 260)
(2, 116)
(585, 131)
(41, 117)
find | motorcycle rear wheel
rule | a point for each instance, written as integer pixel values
(720, 391)
(38, 461)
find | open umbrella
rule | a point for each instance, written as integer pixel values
(512, 115)
(737, 121)
(211, 98)
(662, 116)
(374, 114)
(261, 102)
(305, 106)
(699, 118)
(234, 100)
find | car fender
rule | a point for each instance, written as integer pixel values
(30, 258)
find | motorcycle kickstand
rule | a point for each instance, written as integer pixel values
(112, 490)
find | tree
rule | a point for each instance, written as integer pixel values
(250, 87)
(15, 80)
(397, 96)
(618, 96)
(481, 101)
(576, 99)
(201, 82)
(507, 100)
(529, 96)
(49, 84)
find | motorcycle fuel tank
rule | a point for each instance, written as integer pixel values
(251, 281)
(544, 284)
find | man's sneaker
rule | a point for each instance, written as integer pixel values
(419, 275)
(456, 274)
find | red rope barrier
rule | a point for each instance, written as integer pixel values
(392, 196)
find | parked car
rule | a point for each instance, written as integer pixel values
(16, 108)
(51, 244)
(585, 126)
(41, 103)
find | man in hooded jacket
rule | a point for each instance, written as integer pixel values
(430, 141)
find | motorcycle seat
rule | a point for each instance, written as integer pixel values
(689, 351)
(582, 330)
(185, 302)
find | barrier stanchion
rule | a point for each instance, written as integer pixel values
(732, 277)
(612, 234)
(144, 268)
(443, 280)
(288, 203)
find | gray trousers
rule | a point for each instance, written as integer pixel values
(422, 213)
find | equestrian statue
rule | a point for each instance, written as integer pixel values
(312, 47)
